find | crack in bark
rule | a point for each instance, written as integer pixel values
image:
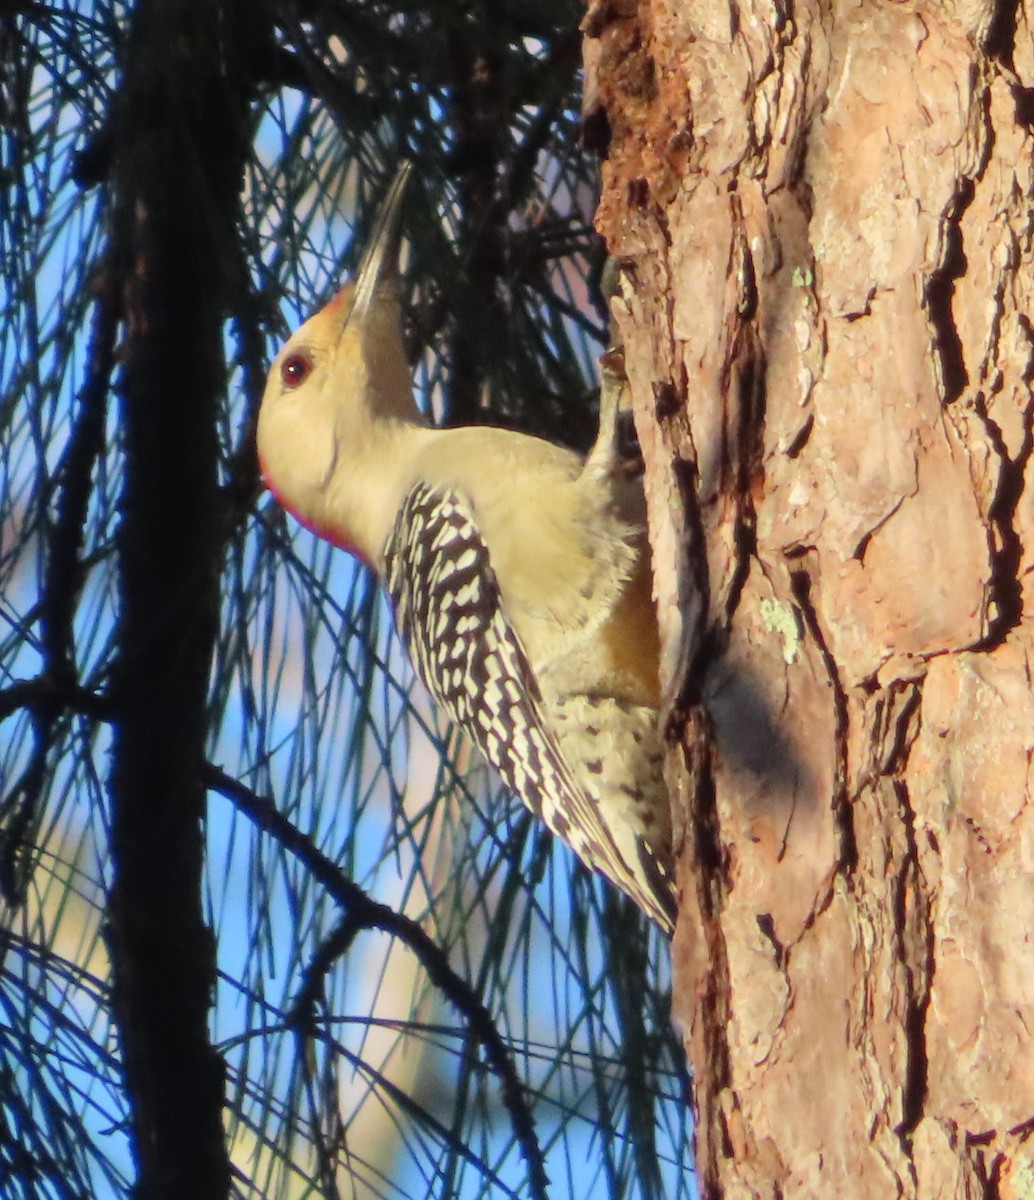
(1000, 44)
(1000, 38)
(780, 954)
(895, 727)
(912, 919)
(801, 438)
(750, 382)
(696, 647)
(847, 850)
(894, 722)
(915, 950)
(1004, 583)
(940, 291)
(712, 1010)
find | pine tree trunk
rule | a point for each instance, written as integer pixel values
(822, 215)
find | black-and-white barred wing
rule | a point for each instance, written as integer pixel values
(449, 611)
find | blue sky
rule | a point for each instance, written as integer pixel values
(349, 749)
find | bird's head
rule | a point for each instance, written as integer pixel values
(338, 378)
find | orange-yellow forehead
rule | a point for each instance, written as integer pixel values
(324, 326)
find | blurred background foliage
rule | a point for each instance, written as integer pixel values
(349, 1071)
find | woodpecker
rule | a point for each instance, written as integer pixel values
(519, 572)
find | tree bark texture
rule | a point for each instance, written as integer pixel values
(180, 141)
(822, 213)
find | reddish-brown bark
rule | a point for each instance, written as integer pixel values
(823, 218)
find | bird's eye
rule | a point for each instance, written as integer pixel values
(294, 370)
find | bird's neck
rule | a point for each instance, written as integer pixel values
(371, 480)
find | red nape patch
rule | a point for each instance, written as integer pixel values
(320, 529)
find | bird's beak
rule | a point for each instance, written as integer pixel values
(381, 260)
